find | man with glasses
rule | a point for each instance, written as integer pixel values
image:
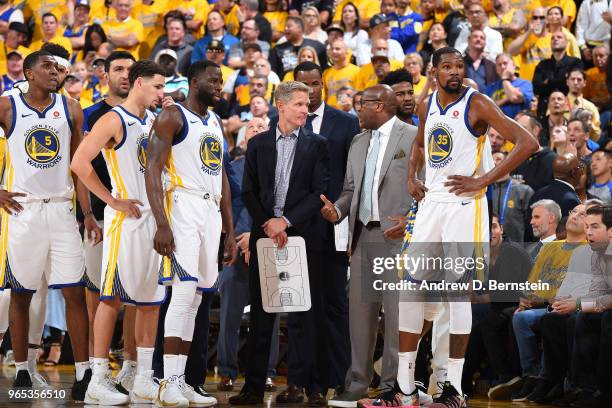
(375, 198)
(533, 45)
(249, 32)
(478, 20)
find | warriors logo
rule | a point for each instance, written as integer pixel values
(210, 154)
(440, 146)
(42, 146)
(143, 142)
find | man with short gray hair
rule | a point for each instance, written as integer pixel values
(545, 216)
(286, 169)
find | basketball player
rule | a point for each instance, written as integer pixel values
(187, 146)
(43, 129)
(116, 68)
(130, 263)
(452, 209)
(38, 304)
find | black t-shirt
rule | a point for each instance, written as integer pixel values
(284, 57)
(91, 116)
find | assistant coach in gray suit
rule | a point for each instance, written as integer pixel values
(375, 199)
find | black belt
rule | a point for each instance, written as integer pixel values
(371, 224)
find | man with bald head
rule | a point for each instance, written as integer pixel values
(566, 172)
(375, 199)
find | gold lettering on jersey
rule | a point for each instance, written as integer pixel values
(42, 146)
(439, 146)
(210, 154)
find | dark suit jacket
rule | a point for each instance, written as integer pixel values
(560, 193)
(309, 179)
(338, 128)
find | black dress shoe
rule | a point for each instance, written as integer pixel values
(22, 379)
(291, 395)
(246, 397)
(316, 399)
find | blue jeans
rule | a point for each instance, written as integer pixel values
(234, 293)
(527, 341)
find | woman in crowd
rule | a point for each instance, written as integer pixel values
(312, 25)
(305, 54)
(353, 35)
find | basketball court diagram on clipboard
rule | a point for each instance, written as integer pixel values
(283, 275)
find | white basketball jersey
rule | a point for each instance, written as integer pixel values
(196, 158)
(38, 149)
(452, 147)
(127, 160)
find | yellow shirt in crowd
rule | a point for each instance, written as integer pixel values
(367, 8)
(152, 19)
(334, 79)
(4, 50)
(366, 77)
(277, 20)
(232, 22)
(596, 89)
(99, 12)
(199, 8)
(125, 27)
(59, 39)
(36, 9)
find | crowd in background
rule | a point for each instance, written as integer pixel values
(544, 63)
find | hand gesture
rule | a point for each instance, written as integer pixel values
(416, 188)
(280, 240)
(167, 101)
(564, 306)
(163, 242)
(92, 230)
(274, 226)
(329, 210)
(128, 206)
(230, 250)
(397, 231)
(464, 184)
(9, 204)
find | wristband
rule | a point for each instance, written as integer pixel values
(578, 305)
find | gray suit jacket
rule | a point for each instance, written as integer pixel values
(393, 196)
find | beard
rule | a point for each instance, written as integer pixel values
(206, 97)
(452, 89)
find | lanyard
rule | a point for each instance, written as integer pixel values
(504, 203)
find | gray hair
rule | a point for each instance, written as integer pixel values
(252, 5)
(550, 206)
(593, 201)
(285, 90)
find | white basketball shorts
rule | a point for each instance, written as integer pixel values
(42, 239)
(195, 219)
(129, 261)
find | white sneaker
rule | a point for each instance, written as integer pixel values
(195, 399)
(39, 382)
(145, 389)
(125, 379)
(170, 394)
(101, 391)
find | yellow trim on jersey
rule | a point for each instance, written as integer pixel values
(5, 221)
(167, 261)
(115, 233)
(111, 155)
(175, 179)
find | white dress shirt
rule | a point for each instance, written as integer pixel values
(318, 120)
(385, 133)
(590, 26)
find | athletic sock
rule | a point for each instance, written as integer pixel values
(81, 367)
(170, 365)
(182, 362)
(32, 354)
(100, 366)
(144, 359)
(405, 371)
(455, 371)
(23, 365)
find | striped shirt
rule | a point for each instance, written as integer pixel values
(285, 148)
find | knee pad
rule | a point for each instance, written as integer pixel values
(460, 317)
(411, 315)
(191, 317)
(179, 309)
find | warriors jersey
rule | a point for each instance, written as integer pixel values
(197, 154)
(452, 147)
(38, 149)
(127, 160)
